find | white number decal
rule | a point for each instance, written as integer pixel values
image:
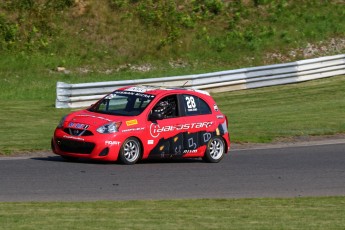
(190, 102)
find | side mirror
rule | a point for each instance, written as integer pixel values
(155, 116)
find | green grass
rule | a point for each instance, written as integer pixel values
(268, 213)
(263, 115)
(27, 125)
(257, 115)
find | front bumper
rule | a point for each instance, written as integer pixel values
(103, 147)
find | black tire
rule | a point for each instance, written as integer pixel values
(215, 150)
(130, 151)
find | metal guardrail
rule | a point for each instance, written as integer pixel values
(84, 94)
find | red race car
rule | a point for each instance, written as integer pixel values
(140, 122)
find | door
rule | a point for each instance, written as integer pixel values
(165, 128)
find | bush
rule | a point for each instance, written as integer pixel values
(8, 33)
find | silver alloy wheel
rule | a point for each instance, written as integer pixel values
(216, 149)
(131, 150)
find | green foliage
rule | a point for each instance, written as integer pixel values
(25, 5)
(18, 4)
(169, 16)
(32, 26)
(8, 33)
(155, 29)
(59, 4)
(117, 4)
(164, 15)
(206, 7)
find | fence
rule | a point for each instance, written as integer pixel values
(84, 94)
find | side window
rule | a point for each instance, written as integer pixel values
(166, 107)
(194, 105)
(204, 108)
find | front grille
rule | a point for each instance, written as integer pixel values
(78, 132)
(73, 146)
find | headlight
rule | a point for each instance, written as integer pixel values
(60, 125)
(111, 127)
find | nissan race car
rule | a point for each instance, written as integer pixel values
(140, 122)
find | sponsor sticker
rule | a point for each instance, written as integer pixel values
(131, 93)
(156, 130)
(132, 122)
(111, 143)
(133, 130)
(77, 125)
(190, 151)
(74, 138)
(215, 107)
(137, 89)
(150, 142)
(86, 115)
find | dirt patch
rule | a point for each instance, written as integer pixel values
(311, 50)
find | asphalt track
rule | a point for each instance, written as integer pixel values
(273, 172)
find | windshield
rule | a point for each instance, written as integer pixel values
(123, 103)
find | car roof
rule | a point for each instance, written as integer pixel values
(156, 90)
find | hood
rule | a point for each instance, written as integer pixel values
(85, 119)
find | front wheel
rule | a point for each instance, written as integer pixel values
(130, 151)
(215, 150)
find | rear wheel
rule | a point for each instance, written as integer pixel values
(130, 151)
(215, 150)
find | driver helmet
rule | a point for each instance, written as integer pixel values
(165, 108)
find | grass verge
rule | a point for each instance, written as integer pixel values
(258, 115)
(27, 125)
(266, 114)
(267, 213)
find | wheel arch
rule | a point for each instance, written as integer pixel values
(212, 155)
(131, 151)
(227, 145)
(140, 142)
